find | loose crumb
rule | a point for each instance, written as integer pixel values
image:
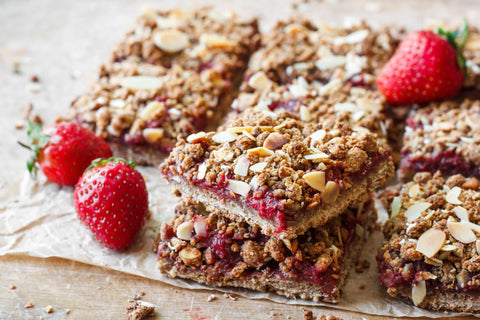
(34, 78)
(48, 309)
(328, 316)
(67, 311)
(308, 315)
(361, 287)
(16, 66)
(230, 296)
(211, 298)
(18, 124)
(362, 265)
(28, 305)
(26, 110)
(13, 287)
(140, 310)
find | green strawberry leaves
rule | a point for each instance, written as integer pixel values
(102, 161)
(457, 39)
(36, 142)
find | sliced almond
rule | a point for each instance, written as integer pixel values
(461, 213)
(213, 40)
(330, 62)
(396, 205)
(274, 141)
(258, 167)
(202, 170)
(352, 38)
(430, 242)
(316, 156)
(419, 292)
(414, 191)
(153, 135)
(174, 113)
(316, 180)
(332, 190)
(259, 81)
(200, 226)
(448, 247)
(152, 108)
(239, 187)
(196, 137)
(477, 246)
(190, 255)
(415, 211)
(461, 231)
(172, 40)
(305, 114)
(224, 137)
(241, 168)
(317, 136)
(260, 151)
(142, 82)
(117, 103)
(453, 194)
(345, 107)
(184, 230)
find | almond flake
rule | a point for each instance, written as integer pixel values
(416, 210)
(297, 90)
(258, 167)
(184, 230)
(419, 292)
(345, 107)
(151, 109)
(174, 113)
(448, 247)
(200, 226)
(202, 170)
(305, 114)
(461, 231)
(117, 103)
(316, 156)
(316, 180)
(317, 136)
(477, 246)
(213, 40)
(196, 137)
(330, 62)
(242, 166)
(171, 40)
(453, 194)
(274, 141)
(224, 137)
(332, 190)
(396, 205)
(430, 242)
(142, 82)
(461, 213)
(239, 187)
(352, 38)
(259, 81)
(153, 135)
(260, 151)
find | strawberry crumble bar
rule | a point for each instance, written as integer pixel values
(176, 73)
(443, 136)
(204, 246)
(431, 255)
(277, 172)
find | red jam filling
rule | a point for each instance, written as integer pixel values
(292, 105)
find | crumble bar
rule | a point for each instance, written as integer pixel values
(142, 102)
(205, 246)
(274, 171)
(443, 136)
(431, 255)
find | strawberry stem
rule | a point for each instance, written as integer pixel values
(36, 142)
(457, 39)
(99, 162)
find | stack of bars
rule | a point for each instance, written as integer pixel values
(278, 198)
(431, 255)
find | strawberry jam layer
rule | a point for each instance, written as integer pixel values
(448, 162)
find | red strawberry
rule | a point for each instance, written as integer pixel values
(112, 200)
(426, 67)
(64, 151)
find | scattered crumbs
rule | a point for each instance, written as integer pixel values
(211, 298)
(16, 66)
(361, 287)
(308, 315)
(13, 287)
(138, 296)
(28, 305)
(140, 310)
(289, 317)
(34, 78)
(230, 296)
(48, 309)
(99, 288)
(67, 311)
(328, 316)
(274, 314)
(18, 124)
(362, 265)
(26, 110)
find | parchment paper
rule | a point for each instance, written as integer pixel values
(63, 42)
(37, 218)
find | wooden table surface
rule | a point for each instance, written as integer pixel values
(62, 42)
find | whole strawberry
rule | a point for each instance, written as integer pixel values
(112, 200)
(64, 151)
(426, 67)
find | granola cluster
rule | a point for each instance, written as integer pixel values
(443, 136)
(302, 165)
(431, 237)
